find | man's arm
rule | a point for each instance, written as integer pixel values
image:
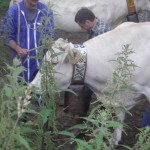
(9, 31)
(21, 52)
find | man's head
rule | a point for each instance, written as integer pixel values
(31, 3)
(85, 18)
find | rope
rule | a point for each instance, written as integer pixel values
(18, 37)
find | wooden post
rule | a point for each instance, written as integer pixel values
(132, 15)
(131, 6)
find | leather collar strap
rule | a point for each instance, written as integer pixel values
(79, 68)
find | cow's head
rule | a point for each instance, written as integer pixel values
(63, 55)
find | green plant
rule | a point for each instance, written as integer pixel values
(100, 123)
(143, 141)
(21, 120)
(11, 110)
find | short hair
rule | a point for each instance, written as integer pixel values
(84, 14)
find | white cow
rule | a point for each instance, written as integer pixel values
(102, 49)
(113, 12)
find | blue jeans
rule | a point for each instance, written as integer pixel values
(146, 118)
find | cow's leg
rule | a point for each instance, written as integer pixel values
(118, 130)
(87, 97)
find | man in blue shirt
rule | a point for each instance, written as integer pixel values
(23, 27)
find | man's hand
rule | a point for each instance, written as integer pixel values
(22, 52)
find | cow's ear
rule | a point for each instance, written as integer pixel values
(60, 44)
(67, 56)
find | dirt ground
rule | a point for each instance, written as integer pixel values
(129, 137)
(65, 120)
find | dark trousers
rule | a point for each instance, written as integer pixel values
(146, 118)
(87, 97)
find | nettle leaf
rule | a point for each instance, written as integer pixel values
(20, 91)
(22, 141)
(45, 113)
(114, 124)
(79, 126)
(115, 80)
(83, 143)
(18, 71)
(127, 147)
(8, 91)
(93, 121)
(99, 141)
(57, 54)
(104, 115)
(66, 133)
(26, 130)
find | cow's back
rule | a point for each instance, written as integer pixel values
(112, 12)
(104, 48)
